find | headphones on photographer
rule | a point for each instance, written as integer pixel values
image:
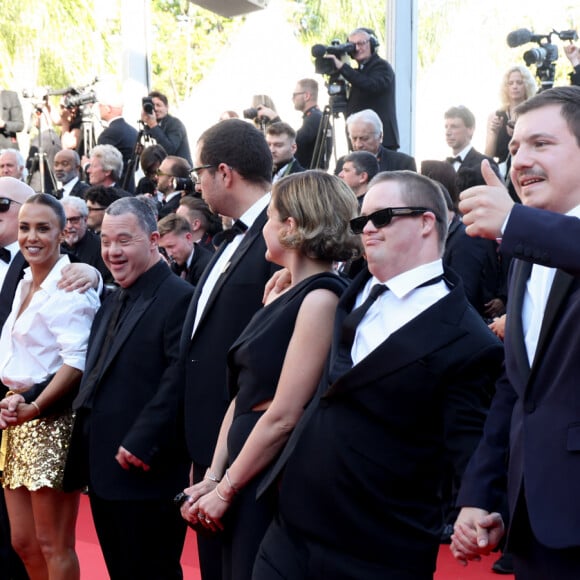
(373, 40)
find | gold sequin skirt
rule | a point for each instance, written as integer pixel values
(36, 452)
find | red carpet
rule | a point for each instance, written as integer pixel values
(93, 566)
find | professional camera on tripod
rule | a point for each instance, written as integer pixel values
(337, 92)
(545, 55)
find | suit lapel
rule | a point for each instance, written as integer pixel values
(514, 324)
(13, 276)
(560, 288)
(249, 238)
(408, 344)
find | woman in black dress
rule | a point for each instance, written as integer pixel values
(275, 365)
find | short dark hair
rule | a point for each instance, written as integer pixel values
(52, 203)
(568, 98)
(463, 113)
(421, 191)
(281, 128)
(160, 96)
(210, 222)
(102, 195)
(180, 167)
(442, 172)
(239, 145)
(151, 156)
(173, 224)
(363, 161)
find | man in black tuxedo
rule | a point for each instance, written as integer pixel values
(466, 160)
(372, 84)
(168, 131)
(530, 435)
(119, 134)
(125, 445)
(188, 259)
(11, 119)
(234, 168)
(365, 132)
(408, 382)
(67, 167)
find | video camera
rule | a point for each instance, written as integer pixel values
(184, 184)
(324, 66)
(79, 99)
(543, 56)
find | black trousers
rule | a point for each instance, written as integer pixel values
(534, 561)
(140, 539)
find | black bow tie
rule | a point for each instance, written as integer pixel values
(5, 255)
(227, 236)
(452, 160)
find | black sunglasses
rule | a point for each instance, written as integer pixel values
(5, 204)
(383, 217)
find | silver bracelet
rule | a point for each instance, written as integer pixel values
(220, 495)
(211, 476)
(233, 488)
(35, 405)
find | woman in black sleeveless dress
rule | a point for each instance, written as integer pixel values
(275, 365)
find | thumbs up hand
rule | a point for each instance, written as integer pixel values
(485, 207)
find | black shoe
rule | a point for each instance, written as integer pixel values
(504, 564)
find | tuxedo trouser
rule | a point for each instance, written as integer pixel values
(140, 539)
(533, 560)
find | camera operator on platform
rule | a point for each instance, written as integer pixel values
(372, 84)
(168, 131)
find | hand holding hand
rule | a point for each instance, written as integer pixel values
(475, 533)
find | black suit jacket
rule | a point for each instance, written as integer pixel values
(11, 113)
(171, 134)
(79, 189)
(88, 251)
(373, 444)
(232, 303)
(169, 206)
(534, 415)
(8, 290)
(201, 258)
(476, 261)
(469, 172)
(395, 160)
(134, 402)
(373, 87)
(124, 137)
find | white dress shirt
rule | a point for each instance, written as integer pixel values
(223, 262)
(53, 330)
(396, 307)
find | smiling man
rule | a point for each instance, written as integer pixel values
(534, 417)
(125, 432)
(405, 391)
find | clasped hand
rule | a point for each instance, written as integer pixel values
(15, 411)
(204, 509)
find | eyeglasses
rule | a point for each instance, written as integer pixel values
(383, 217)
(160, 173)
(195, 171)
(74, 220)
(296, 94)
(5, 204)
(360, 43)
(96, 209)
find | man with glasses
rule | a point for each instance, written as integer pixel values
(79, 241)
(98, 199)
(372, 84)
(409, 377)
(171, 167)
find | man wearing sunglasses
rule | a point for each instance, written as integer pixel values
(409, 378)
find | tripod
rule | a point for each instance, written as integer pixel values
(325, 142)
(39, 160)
(129, 172)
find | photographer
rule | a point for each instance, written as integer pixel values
(168, 131)
(573, 53)
(11, 119)
(173, 182)
(372, 84)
